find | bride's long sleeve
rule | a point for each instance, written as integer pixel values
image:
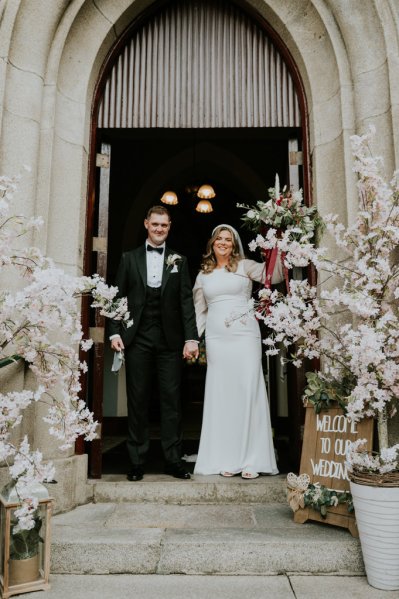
(200, 305)
(257, 271)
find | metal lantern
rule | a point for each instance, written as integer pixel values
(170, 198)
(204, 206)
(206, 192)
(24, 555)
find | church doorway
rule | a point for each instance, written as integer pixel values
(236, 144)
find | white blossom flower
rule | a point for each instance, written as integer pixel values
(350, 322)
(40, 323)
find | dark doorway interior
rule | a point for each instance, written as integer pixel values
(240, 164)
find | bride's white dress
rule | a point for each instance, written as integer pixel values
(236, 431)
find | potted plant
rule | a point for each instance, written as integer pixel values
(24, 552)
(350, 322)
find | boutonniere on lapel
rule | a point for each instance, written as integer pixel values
(172, 261)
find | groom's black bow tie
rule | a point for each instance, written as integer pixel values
(151, 248)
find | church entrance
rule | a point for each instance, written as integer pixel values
(159, 127)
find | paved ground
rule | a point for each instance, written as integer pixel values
(125, 586)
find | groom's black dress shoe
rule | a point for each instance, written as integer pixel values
(177, 470)
(135, 473)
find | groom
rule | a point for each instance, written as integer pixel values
(157, 284)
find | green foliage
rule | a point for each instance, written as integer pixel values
(323, 394)
(320, 498)
(9, 360)
(25, 543)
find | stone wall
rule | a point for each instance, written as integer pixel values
(51, 53)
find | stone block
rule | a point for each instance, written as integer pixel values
(98, 551)
(200, 489)
(71, 488)
(258, 552)
(33, 33)
(66, 226)
(372, 94)
(70, 122)
(17, 100)
(329, 190)
(76, 65)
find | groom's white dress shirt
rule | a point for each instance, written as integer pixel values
(155, 262)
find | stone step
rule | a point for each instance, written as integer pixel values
(220, 539)
(157, 488)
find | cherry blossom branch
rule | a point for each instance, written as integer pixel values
(40, 323)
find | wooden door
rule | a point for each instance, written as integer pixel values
(286, 381)
(99, 245)
(295, 376)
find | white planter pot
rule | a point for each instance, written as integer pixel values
(377, 517)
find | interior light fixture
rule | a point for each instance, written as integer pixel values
(206, 192)
(204, 206)
(170, 198)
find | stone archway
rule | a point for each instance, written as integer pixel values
(347, 68)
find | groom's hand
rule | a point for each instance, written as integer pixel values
(117, 344)
(190, 350)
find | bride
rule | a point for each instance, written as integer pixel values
(236, 435)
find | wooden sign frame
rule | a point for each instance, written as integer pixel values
(323, 459)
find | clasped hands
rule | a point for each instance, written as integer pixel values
(190, 350)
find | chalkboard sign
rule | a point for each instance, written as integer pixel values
(326, 438)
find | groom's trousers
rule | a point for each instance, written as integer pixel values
(148, 356)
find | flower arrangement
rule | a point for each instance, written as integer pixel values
(302, 493)
(351, 324)
(320, 498)
(364, 465)
(291, 227)
(25, 543)
(40, 325)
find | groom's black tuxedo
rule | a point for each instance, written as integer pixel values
(163, 319)
(177, 310)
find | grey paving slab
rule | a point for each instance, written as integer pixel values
(315, 587)
(216, 587)
(167, 587)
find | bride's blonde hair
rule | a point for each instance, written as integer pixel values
(209, 262)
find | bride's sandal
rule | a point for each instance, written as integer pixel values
(227, 474)
(249, 475)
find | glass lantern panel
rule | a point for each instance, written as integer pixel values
(27, 550)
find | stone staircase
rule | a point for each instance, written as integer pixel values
(208, 525)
